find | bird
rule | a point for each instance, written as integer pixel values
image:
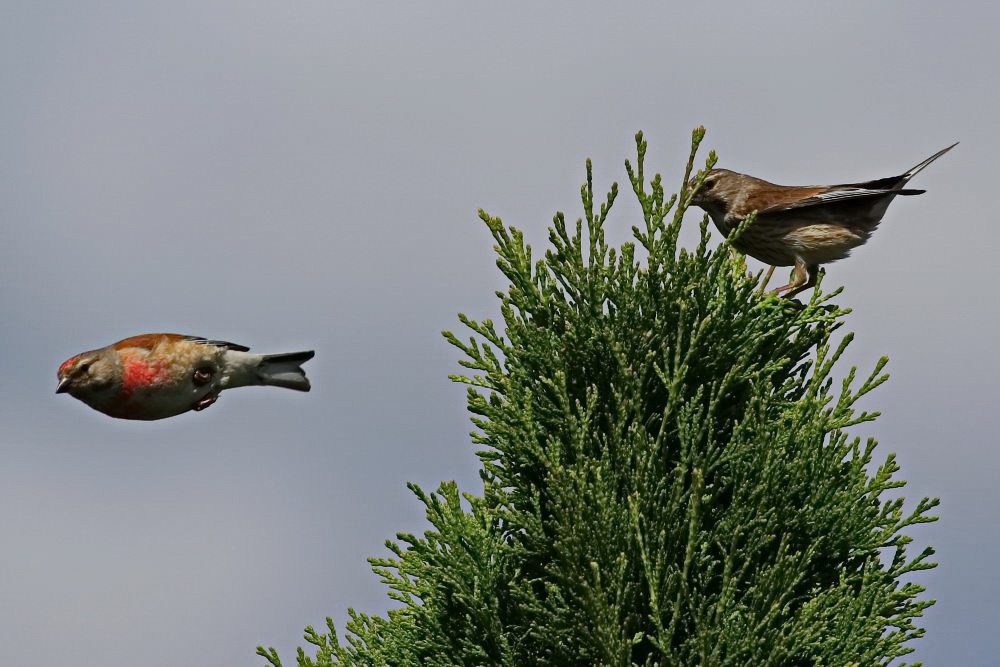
(160, 375)
(799, 226)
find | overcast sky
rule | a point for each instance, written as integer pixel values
(306, 175)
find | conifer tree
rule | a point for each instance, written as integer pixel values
(668, 473)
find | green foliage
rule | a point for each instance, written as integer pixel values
(668, 479)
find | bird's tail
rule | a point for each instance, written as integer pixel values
(285, 370)
(913, 172)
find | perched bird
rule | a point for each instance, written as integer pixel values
(800, 226)
(154, 376)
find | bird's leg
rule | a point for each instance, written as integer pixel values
(204, 402)
(803, 277)
(202, 376)
(199, 378)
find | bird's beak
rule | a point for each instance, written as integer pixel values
(63, 386)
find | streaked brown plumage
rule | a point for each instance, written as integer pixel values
(800, 226)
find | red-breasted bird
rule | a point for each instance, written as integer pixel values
(800, 226)
(154, 376)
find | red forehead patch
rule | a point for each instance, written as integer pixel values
(66, 364)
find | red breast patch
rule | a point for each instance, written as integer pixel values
(139, 374)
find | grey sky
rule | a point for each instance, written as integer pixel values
(306, 175)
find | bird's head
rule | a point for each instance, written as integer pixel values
(93, 377)
(718, 190)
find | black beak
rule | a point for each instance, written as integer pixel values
(63, 386)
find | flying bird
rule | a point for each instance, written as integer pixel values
(800, 226)
(154, 376)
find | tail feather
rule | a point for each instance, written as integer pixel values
(920, 167)
(898, 182)
(285, 370)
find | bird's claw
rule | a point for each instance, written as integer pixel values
(202, 376)
(203, 403)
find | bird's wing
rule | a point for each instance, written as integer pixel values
(836, 194)
(218, 343)
(149, 341)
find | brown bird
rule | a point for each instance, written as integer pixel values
(800, 226)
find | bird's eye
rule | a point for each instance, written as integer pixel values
(83, 369)
(707, 184)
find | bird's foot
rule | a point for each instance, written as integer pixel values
(203, 403)
(202, 376)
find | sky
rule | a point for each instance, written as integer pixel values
(306, 176)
